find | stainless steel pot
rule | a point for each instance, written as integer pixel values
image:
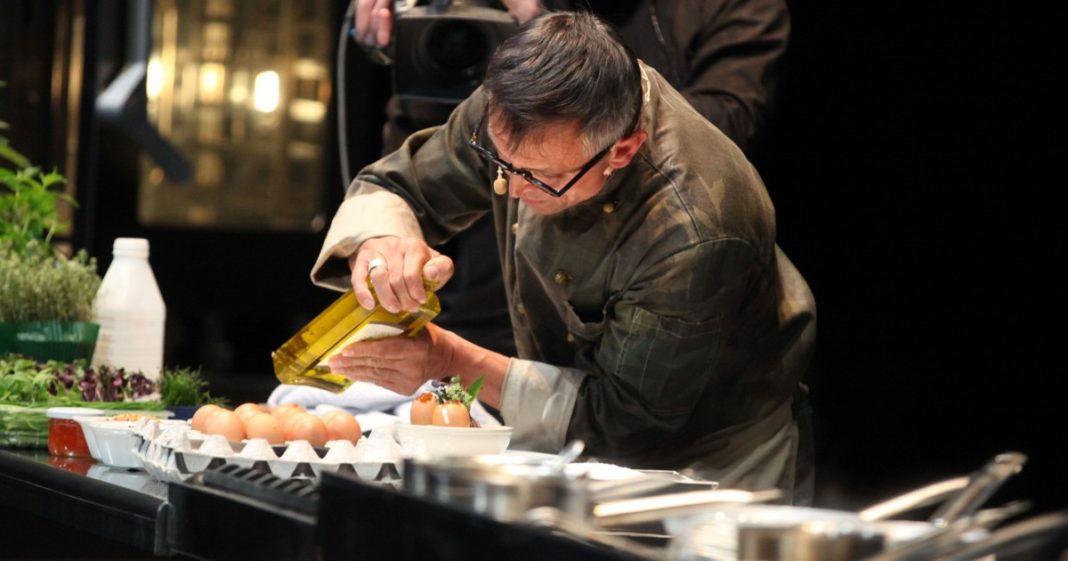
(817, 540)
(506, 487)
(500, 487)
(785, 533)
(782, 533)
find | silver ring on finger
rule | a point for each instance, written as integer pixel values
(374, 264)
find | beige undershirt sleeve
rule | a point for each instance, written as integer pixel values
(537, 400)
(372, 212)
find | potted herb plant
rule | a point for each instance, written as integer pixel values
(46, 298)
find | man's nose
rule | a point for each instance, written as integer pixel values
(517, 186)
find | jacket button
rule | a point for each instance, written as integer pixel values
(570, 338)
(521, 309)
(608, 207)
(560, 278)
(515, 228)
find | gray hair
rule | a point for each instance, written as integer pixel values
(564, 66)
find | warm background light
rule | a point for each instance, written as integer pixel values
(154, 78)
(265, 91)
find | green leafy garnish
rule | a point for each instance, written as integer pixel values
(455, 391)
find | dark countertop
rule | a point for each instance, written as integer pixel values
(252, 515)
(124, 506)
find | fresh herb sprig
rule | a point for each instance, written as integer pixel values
(454, 391)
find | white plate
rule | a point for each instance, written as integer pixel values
(435, 442)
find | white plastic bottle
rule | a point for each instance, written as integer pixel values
(130, 311)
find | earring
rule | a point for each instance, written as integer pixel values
(500, 185)
(608, 171)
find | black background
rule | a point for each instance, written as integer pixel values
(911, 177)
(910, 165)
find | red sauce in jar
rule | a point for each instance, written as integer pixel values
(65, 438)
(65, 435)
(80, 466)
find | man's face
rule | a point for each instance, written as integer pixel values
(555, 156)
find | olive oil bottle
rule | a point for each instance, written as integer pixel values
(303, 359)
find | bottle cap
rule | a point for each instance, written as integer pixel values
(131, 246)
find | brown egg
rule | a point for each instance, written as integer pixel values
(452, 414)
(264, 425)
(246, 410)
(282, 412)
(200, 418)
(306, 426)
(228, 424)
(341, 426)
(423, 409)
(285, 420)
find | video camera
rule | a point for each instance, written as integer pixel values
(441, 49)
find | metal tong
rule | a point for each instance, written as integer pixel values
(982, 484)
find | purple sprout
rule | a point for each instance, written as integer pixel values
(89, 386)
(139, 386)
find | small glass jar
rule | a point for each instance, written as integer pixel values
(65, 435)
(81, 466)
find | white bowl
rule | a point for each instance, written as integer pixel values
(436, 442)
(112, 443)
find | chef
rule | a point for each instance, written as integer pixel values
(655, 317)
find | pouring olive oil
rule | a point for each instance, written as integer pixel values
(304, 358)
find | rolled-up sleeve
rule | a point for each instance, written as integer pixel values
(536, 401)
(432, 187)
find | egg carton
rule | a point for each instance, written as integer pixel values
(177, 452)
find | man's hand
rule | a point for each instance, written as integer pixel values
(397, 267)
(374, 22)
(523, 10)
(400, 364)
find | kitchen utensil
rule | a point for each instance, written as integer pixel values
(924, 496)
(981, 486)
(1039, 537)
(570, 452)
(815, 540)
(945, 539)
(660, 507)
(776, 531)
(497, 486)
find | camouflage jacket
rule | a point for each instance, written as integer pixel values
(657, 321)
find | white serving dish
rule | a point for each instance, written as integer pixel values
(435, 442)
(112, 443)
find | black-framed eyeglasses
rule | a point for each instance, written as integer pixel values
(526, 174)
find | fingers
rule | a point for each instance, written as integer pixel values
(413, 268)
(523, 10)
(359, 264)
(395, 268)
(401, 364)
(365, 367)
(439, 269)
(363, 19)
(374, 22)
(384, 20)
(391, 363)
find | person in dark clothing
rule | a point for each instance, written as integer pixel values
(722, 55)
(655, 318)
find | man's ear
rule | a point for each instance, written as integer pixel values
(625, 148)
